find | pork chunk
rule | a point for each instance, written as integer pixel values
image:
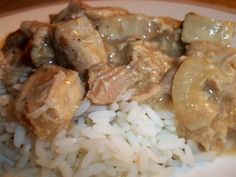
(151, 65)
(144, 73)
(40, 34)
(42, 48)
(15, 62)
(48, 100)
(81, 43)
(106, 83)
(75, 9)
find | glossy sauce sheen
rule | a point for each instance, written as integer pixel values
(118, 27)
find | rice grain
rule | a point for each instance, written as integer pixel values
(19, 136)
(65, 169)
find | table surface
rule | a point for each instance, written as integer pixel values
(9, 6)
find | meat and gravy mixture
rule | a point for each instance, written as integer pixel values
(187, 67)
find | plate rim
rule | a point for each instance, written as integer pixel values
(183, 2)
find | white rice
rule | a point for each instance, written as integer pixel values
(91, 170)
(133, 171)
(19, 136)
(83, 107)
(122, 139)
(65, 169)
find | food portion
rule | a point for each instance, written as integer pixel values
(103, 92)
(151, 65)
(163, 33)
(203, 94)
(41, 45)
(14, 58)
(80, 43)
(147, 67)
(48, 100)
(199, 28)
(106, 84)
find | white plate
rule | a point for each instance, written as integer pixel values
(224, 166)
(148, 7)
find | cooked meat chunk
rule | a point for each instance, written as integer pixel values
(117, 53)
(162, 99)
(200, 28)
(75, 9)
(41, 51)
(42, 48)
(116, 25)
(16, 39)
(15, 61)
(30, 27)
(14, 49)
(81, 43)
(144, 73)
(48, 100)
(203, 95)
(106, 84)
(148, 60)
(16, 72)
(151, 66)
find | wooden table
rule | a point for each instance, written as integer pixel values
(7, 6)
